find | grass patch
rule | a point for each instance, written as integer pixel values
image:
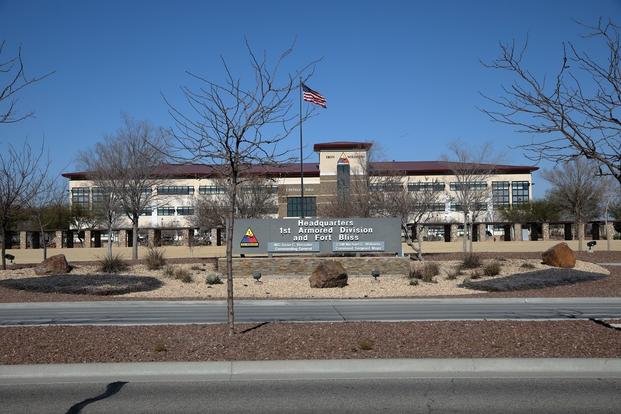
(492, 268)
(183, 275)
(101, 285)
(112, 264)
(527, 265)
(155, 258)
(169, 271)
(366, 344)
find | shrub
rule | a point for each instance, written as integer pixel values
(365, 344)
(527, 265)
(169, 271)
(196, 268)
(155, 258)
(213, 279)
(492, 268)
(425, 272)
(413, 281)
(471, 261)
(453, 275)
(183, 275)
(475, 275)
(112, 264)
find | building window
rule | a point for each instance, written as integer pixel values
(385, 187)
(342, 177)
(175, 190)
(166, 211)
(472, 185)
(146, 212)
(185, 211)
(99, 196)
(520, 192)
(433, 207)
(426, 186)
(294, 207)
(210, 189)
(477, 207)
(500, 194)
(80, 196)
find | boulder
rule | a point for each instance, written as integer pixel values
(328, 274)
(559, 255)
(53, 265)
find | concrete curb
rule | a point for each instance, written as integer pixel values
(312, 369)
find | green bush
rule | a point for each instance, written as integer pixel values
(527, 265)
(155, 258)
(471, 261)
(112, 264)
(413, 281)
(492, 268)
(366, 344)
(213, 279)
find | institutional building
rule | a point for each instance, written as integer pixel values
(340, 165)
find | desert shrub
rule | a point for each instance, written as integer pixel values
(413, 281)
(169, 271)
(453, 275)
(527, 265)
(492, 268)
(471, 261)
(196, 268)
(183, 275)
(365, 344)
(475, 275)
(112, 264)
(213, 279)
(155, 258)
(425, 272)
(160, 348)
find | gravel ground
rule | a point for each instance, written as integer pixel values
(298, 286)
(446, 339)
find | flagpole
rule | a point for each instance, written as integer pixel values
(301, 157)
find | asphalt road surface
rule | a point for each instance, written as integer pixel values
(420, 395)
(188, 312)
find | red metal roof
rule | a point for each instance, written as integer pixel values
(341, 145)
(311, 169)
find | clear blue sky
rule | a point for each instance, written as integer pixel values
(406, 74)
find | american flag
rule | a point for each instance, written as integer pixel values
(313, 96)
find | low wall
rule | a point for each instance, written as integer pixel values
(304, 266)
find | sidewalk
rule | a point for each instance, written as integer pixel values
(312, 369)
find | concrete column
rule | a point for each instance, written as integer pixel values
(155, 237)
(123, 238)
(88, 241)
(189, 236)
(213, 236)
(482, 235)
(23, 240)
(580, 231)
(545, 231)
(517, 231)
(58, 239)
(610, 231)
(454, 232)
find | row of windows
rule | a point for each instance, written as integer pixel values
(169, 211)
(175, 190)
(471, 185)
(294, 207)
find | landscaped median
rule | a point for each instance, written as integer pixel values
(281, 341)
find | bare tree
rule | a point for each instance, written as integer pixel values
(470, 191)
(611, 198)
(413, 206)
(234, 125)
(12, 80)
(48, 208)
(22, 173)
(127, 167)
(256, 198)
(578, 113)
(577, 190)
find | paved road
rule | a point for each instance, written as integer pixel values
(438, 395)
(187, 312)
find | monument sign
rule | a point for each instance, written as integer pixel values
(313, 235)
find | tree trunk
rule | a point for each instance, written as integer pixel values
(229, 261)
(580, 228)
(410, 242)
(110, 239)
(44, 243)
(465, 241)
(419, 239)
(135, 237)
(3, 241)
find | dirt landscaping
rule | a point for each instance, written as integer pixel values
(443, 339)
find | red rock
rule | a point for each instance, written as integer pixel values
(53, 265)
(328, 274)
(559, 255)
